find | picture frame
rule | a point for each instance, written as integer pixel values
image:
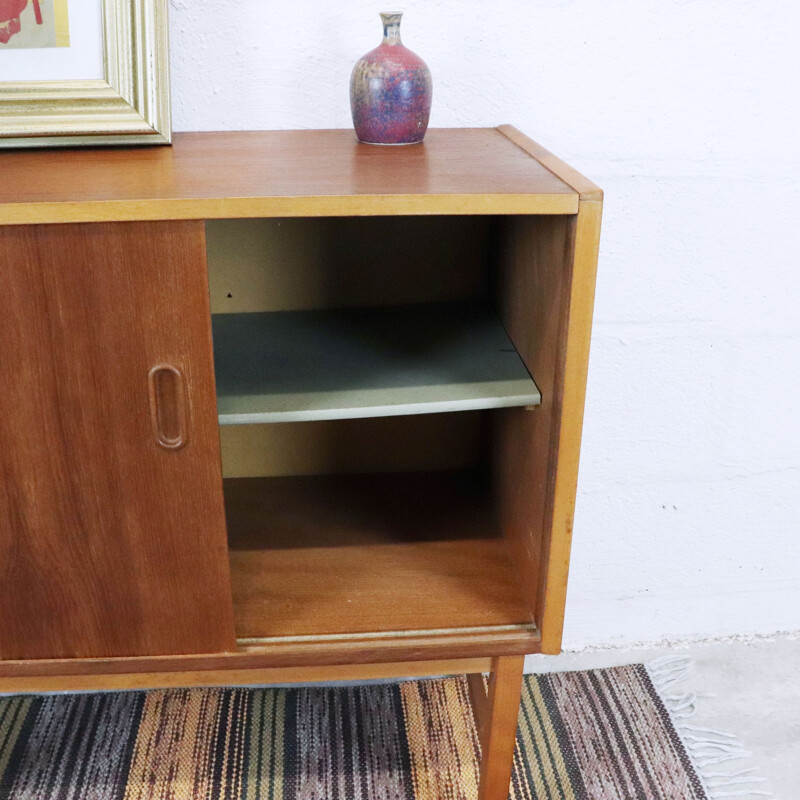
(130, 105)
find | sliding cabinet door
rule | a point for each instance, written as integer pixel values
(112, 531)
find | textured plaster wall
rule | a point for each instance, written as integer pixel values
(687, 112)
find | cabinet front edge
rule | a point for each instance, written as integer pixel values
(275, 207)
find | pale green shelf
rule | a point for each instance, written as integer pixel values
(296, 366)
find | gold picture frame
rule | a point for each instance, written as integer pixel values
(131, 105)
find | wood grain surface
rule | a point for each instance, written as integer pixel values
(110, 543)
(281, 174)
(536, 271)
(304, 652)
(498, 726)
(246, 677)
(585, 238)
(113, 559)
(349, 554)
(548, 267)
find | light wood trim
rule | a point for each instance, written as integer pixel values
(310, 653)
(500, 728)
(266, 641)
(588, 190)
(245, 677)
(276, 207)
(579, 330)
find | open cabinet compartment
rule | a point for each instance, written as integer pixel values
(422, 529)
(375, 419)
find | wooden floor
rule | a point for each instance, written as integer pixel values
(367, 553)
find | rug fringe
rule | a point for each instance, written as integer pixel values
(706, 747)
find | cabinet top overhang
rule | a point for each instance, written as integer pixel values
(290, 174)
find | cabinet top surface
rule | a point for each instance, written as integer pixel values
(288, 173)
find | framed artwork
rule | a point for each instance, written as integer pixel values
(83, 72)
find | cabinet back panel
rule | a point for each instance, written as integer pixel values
(381, 444)
(290, 264)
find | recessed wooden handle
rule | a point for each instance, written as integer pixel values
(168, 406)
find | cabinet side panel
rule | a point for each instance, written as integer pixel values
(112, 532)
(571, 381)
(536, 268)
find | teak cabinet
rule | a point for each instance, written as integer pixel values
(284, 407)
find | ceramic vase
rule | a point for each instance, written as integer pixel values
(390, 91)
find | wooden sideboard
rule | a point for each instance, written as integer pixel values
(284, 407)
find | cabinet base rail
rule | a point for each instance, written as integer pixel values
(495, 710)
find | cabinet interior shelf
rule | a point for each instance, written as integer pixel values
(294, 366)
(353, 554)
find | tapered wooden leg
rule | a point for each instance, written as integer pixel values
(496, 718)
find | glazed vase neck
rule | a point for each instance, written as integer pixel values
(391, 28)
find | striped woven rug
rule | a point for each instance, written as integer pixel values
(598, 735)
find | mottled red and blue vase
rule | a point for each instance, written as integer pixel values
(390, 91)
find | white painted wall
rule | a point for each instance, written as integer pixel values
(687, 112)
